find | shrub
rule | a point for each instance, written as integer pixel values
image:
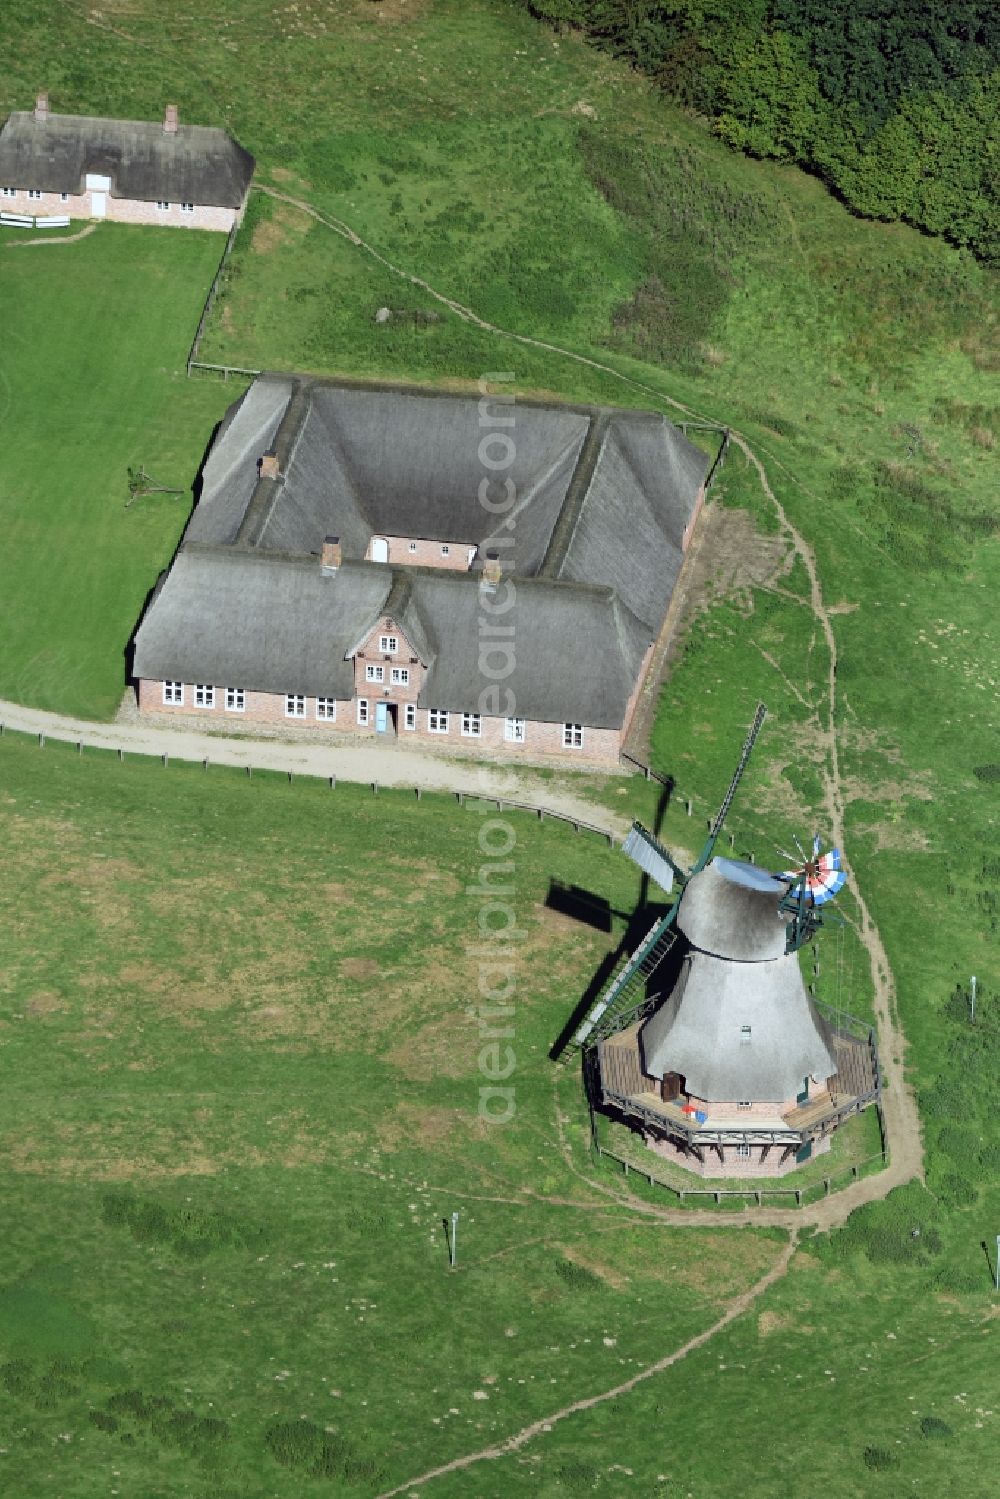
(934, 1427)
(321, 1454)
(577, 1277)
(880, 1459)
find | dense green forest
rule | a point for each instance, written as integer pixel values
(894, 103)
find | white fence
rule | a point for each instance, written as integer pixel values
(27, 221)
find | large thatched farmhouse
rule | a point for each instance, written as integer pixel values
(129, 171)
(457, 570)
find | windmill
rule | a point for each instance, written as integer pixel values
(625, 993)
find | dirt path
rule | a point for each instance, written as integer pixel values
(389, 765)
(48, 239)
(736, 1308)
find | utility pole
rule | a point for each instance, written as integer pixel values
(453, 1241)
(972, 1014)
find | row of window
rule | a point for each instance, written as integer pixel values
(34, 194)
(438, 719)
(399, 676)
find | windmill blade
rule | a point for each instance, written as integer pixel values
(651, 857)
(816, 845)
(802, 852)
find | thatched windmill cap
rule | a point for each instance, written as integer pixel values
(739, 1033)
(730, 909)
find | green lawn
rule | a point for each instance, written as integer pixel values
(95, 335)
(238, 1104)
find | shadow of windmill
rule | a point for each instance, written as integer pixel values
(597, 912)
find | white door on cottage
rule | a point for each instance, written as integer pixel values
(98, 186)
(380, 549)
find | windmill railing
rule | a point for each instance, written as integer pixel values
(803, 1194)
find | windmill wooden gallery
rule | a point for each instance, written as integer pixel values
(706, 1039)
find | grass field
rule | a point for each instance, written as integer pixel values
(95, 335)
(239, 1105)
(555, 193)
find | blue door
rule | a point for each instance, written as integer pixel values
(381, 717)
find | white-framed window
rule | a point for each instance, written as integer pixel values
(742, 1152)
(445, 551)
(410, 716)
(173, 694)
(745, 1035)
(204, 696)
(236, 700)
(437, 720)
(295, 705)
(187, 208)
(388, 644)
(362, 710)
(515, 730)
(472, 725)
(572, 736)
(64, 197)
(374, 673)
(34, 194)
(743, 1103)
(326, 708)
(400, 676)
(9, 192)
(413, 544)
(161, 205)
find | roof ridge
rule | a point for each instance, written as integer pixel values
(536, 487)
(265, 494)
(576, 493)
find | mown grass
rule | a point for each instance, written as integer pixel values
(242, 1095)
(92, 377)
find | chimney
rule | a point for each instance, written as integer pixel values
(332, 555)
(267, 466)
(170, 120)
(492, 573)
(42, 108)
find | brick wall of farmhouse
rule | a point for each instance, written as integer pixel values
(600, 746)
(404, 658)
(695, 513)
(120, 210)
(412, 551)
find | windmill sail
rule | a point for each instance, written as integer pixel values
(650, 855)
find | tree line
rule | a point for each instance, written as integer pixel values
(895, 104)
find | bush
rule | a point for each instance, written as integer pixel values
(321, 1454)
(934, 1427)
(880, 1459)
(577, 1277)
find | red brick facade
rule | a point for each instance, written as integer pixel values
(733, 1162)
(541, 740)
(117, 210)
(412, 551)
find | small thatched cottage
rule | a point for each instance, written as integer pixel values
(129, 171)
